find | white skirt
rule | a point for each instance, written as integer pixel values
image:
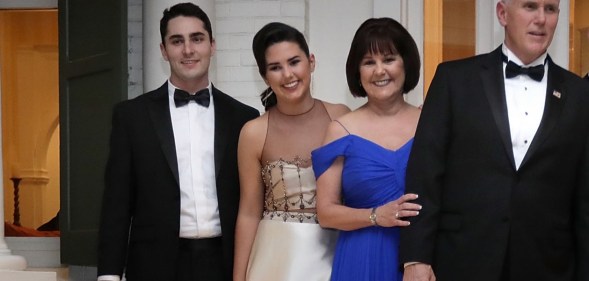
(291, 251)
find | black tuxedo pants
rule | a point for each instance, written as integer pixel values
(200, 260)
(505, 271)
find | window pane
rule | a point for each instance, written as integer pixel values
(459, 29)
(449, 33)
(579, 37)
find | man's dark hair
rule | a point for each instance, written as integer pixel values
(186, 10)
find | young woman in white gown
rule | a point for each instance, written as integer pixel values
(277, 235)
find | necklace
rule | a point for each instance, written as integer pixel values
(298, 114)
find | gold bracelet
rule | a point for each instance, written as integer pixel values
(372, 217)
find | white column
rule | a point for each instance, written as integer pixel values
(559, 49)
(155, 69)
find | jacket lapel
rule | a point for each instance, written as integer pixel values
(222, 126)
(494, 88)
(555, 99)
(159, 111)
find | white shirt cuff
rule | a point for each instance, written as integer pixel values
(109, 278)
(410, 263)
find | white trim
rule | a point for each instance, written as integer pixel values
(27, 4)
(485, 27)
(40, 252)
(414, 16)
(559, 49)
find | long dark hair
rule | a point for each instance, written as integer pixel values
(270, 34)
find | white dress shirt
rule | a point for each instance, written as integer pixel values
(525, 105)
(194, 131)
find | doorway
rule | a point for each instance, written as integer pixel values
(30, 118)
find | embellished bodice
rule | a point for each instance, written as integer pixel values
(287, 173)
(289, 190)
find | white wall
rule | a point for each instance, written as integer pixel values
(332, 24)
(135, 45)
(237, 21)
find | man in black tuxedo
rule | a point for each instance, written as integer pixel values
(172, 188)
(500, 162)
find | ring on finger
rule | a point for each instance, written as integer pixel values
(397, 215)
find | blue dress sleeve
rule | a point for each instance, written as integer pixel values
(324, 156)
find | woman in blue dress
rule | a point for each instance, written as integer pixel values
(360, 169)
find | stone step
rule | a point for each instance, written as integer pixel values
(10, 275)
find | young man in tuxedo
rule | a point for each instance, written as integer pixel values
(172, 187)
(500, 161)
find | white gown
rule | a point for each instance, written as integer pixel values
(290, 245)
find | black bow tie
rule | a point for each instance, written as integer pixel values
(513, 70)
(201, 97)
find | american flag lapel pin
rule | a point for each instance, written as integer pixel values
(556, 94)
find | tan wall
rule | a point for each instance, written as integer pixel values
(579, 28)
(449, 33)
(30, 108)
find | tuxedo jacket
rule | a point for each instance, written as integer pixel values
(480, 213)
(140, 220)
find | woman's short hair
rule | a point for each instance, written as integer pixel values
(382, 35)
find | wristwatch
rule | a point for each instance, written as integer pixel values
(372, 217)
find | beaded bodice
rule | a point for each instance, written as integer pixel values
(289, 181)
(289, 190)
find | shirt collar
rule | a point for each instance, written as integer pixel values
(512, 57)
(172, 88)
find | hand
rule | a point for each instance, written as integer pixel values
(391, 213)
(419, 272)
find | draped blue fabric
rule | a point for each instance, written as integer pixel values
(372, 176)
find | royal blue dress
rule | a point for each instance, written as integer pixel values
(372, 176)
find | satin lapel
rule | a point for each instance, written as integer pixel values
(222, 117)
(555, 99)
(494, 88)
(159, 111)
